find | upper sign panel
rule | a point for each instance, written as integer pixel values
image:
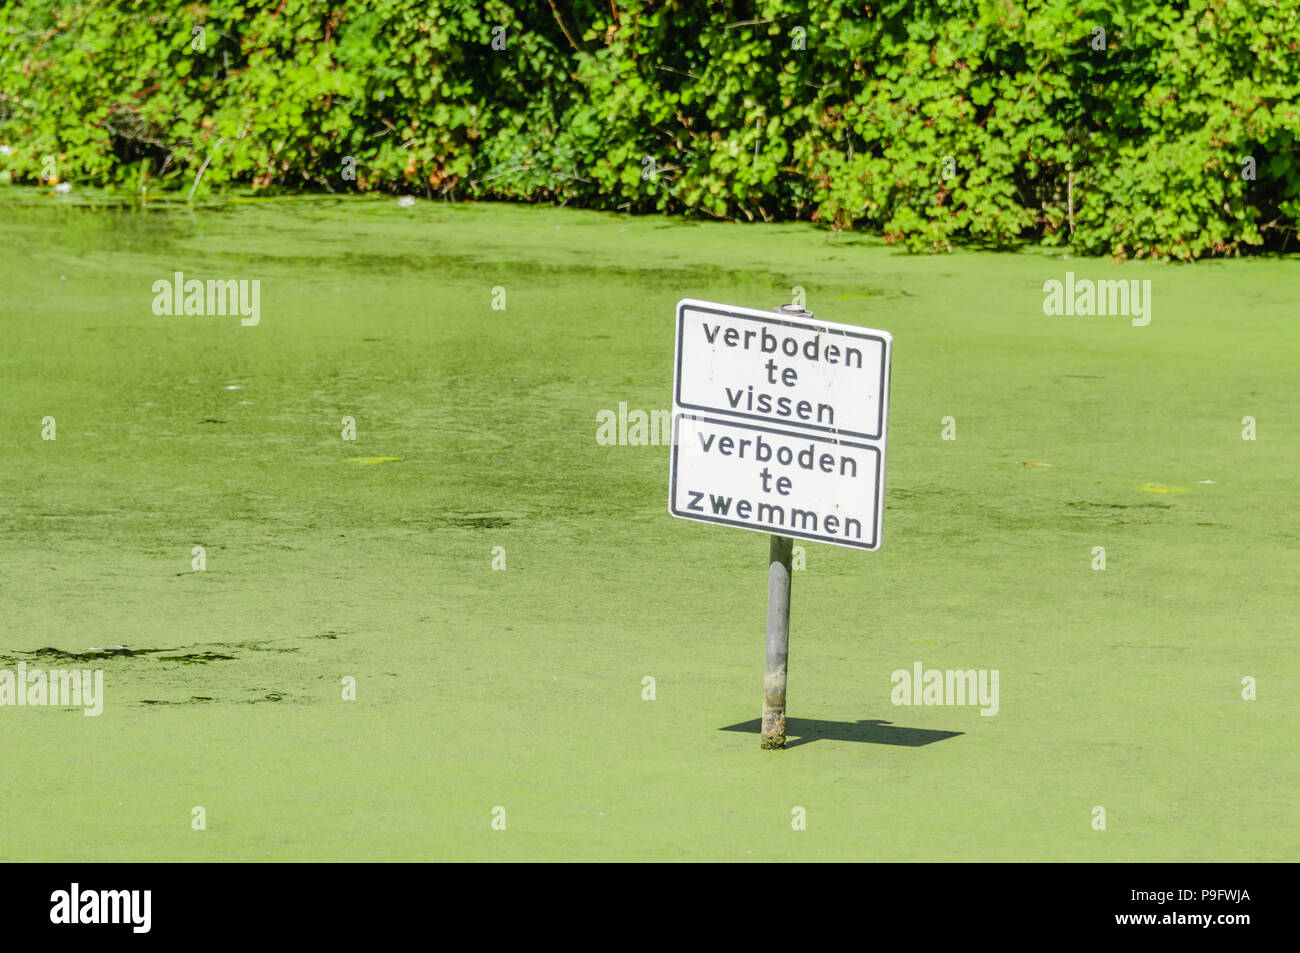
(763, 367)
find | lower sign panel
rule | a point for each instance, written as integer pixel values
(776, 481)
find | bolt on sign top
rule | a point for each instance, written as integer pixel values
(779, 423)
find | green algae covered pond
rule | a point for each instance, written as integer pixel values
(391, 486)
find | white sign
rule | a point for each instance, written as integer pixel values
(779, 424)
(764, 367)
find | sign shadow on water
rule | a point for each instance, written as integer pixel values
(874, 731)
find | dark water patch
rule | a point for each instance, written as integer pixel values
(869, 294)
(254, 647)
(467, 520)
(920, 492)
(198, 658)
(192, 700)
(78, 514)
(446, 263)
(1119, 514)
(1135, 646)
(1085, 504)
(92, 655)
(480, 522)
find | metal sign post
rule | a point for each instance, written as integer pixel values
(778, 642)
(779, 578)
(779, 425)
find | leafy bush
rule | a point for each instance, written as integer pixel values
(989, 121)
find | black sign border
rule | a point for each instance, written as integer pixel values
(783, 322)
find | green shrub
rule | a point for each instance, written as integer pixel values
(987, 121)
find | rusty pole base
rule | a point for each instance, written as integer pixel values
(778, 642)
(774, 738)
